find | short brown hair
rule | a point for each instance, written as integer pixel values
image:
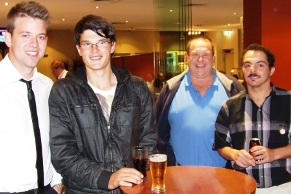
(27, 9)
(199, 37)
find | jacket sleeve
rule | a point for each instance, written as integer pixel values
(148, 127)
(66, 156)
(161, 111)
(236, 86)
(161, 119)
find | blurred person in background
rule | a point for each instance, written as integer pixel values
(58, 69)
(150, 83)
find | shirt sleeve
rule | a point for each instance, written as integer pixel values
(57, 178)
(222, 136)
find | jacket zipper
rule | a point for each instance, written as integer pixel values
(110, 146)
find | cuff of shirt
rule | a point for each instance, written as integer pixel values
(103, 180)
(56, 179)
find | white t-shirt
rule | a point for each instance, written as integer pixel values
(105, 98)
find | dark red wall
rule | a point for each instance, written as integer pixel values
(274, 20)
(252, 22)
(139, 65)
(277, 36)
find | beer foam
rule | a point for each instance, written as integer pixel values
(158, 158)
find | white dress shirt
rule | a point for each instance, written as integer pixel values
(17, 145)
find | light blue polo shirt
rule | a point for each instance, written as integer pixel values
(192, 118)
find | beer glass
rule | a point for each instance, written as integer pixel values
(158, 164)
(140, 159)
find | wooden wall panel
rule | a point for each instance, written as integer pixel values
(139, 65)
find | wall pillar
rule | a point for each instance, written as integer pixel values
(267, 22)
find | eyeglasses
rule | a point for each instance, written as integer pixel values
(102, 44)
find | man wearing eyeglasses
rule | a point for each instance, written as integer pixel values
(98, 115)
(187, 107)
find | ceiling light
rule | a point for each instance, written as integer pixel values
(6, 3)
(63, 19)
(97, 7)
(227, 32)
(194, 32)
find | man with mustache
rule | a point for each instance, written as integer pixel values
(262, 112)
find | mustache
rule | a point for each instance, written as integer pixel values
(253, 75)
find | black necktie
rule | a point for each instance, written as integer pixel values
(33, 111)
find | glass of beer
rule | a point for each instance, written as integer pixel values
(140, 159)
(158, 164)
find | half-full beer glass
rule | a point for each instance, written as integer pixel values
(158, 164)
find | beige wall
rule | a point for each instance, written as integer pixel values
(135, 42)
(222, 42)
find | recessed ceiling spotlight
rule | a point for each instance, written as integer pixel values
(234, 13)
(63, 19)
(228, 24)
(6, 3)
(171, 10)
(97, 7)
(126, 21)
(227, 32)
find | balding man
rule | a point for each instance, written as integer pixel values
(58, 69)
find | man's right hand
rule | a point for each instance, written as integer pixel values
(243, 158)
(125, 177)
